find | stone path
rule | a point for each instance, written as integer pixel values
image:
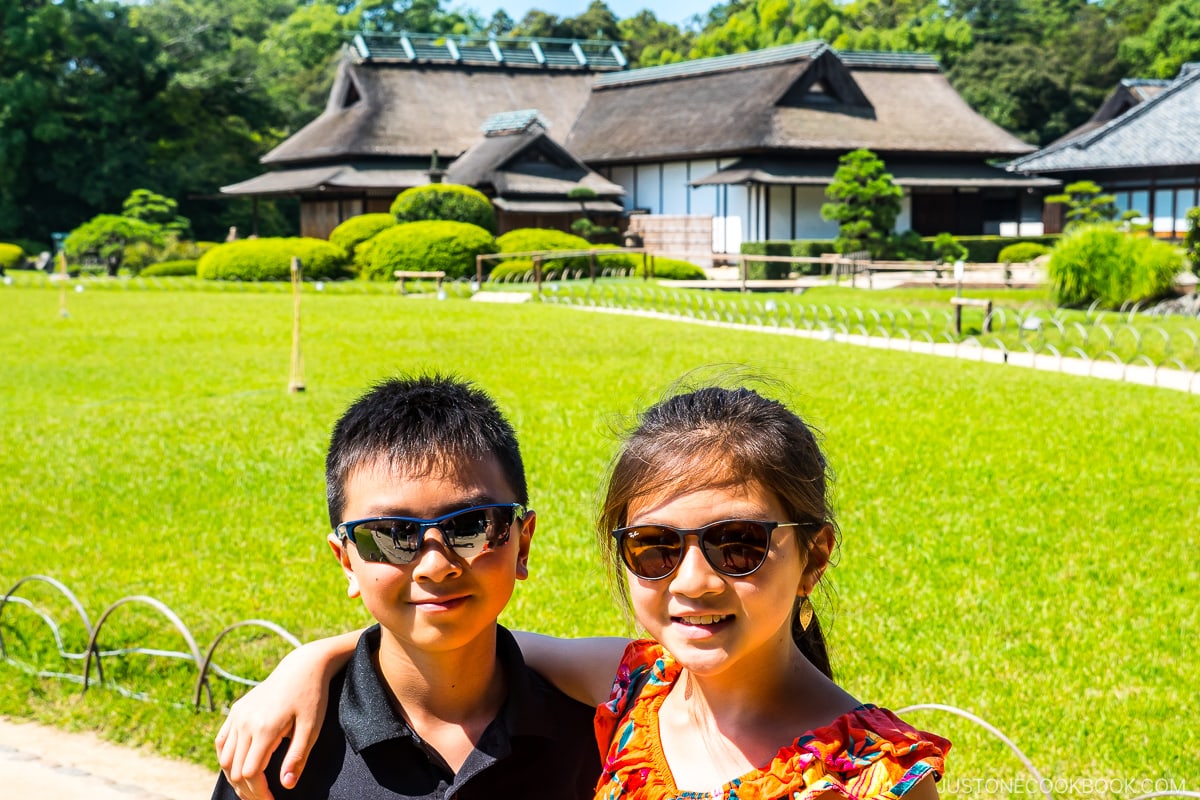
(37, 761)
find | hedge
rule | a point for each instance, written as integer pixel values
(664, 268)
(11, 256)
(1022, 253)
(171, 269)
(32, 247)
(986, 249)
(774, 270)
(271, 260)
(980, 249)
(445, 201)
(427, 246)
(356, 230)
(1100, 262)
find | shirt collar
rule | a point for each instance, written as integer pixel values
(365, 709)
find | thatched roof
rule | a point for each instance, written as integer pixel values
(388, 110)
(1159, 132)
(803, 97)
(334, 178)
(522, 160)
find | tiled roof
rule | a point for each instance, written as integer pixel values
(1162, 131)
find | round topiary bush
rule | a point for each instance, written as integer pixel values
(356, 230)
(445, 201)
(185, 267)
(1022, 253)
(528, 240)
(427, 247)
(11, 256)
(271, 260)
(1100, 262)
(673, 269)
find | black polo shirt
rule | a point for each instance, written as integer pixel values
(540, 745)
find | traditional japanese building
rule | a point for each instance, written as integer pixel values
(749, 141)
(1142, 146)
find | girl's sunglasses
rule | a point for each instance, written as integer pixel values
(397, 540)
(732, 547)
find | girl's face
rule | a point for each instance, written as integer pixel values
(711, 622)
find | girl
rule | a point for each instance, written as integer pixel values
(717, 522)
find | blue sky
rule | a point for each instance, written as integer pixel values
(676, 11)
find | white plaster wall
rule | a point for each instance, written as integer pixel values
(779, 220)
(647, 188)
(623, 176)
(675, 188)
(704, 198)
(809, 224)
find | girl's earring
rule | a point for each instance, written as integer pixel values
(805, 613)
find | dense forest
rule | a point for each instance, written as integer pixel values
(98, 98)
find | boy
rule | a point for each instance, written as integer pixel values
(426, 493)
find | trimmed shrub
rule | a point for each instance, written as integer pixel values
(907, 246)
(271, 260)
(1100, 262)
(171, 269)
(1191, 242)
(672, 269)
(445, 201)
(525, 240)
(11, 256)
(986, 249)
(427, 247)
(356, 230)
(803, 248)
(1022, 253)
(946, 249)
(107, 237)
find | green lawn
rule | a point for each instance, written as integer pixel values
(1016, 543)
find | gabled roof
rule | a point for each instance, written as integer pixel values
(1129, 93)
(1161, 131)
(390, 110)
(798, 97)
(525, 161)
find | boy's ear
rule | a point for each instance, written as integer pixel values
(527, 527)
(341, 551)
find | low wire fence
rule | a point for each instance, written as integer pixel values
(54, 626)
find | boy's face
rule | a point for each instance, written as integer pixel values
(440, 601)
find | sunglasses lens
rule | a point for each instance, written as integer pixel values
(477, 529)
(388, 540)
(651, 551)
(737, 547)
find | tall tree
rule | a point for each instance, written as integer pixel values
(80, 95)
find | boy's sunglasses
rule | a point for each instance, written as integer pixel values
(397, 540)
(732, 547)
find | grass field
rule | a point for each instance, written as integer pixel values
(1019, 544)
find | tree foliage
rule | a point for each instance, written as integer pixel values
(100, 97)
(864, 202)
(1087, 203)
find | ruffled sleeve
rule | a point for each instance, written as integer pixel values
(867, 753)
(641, 656)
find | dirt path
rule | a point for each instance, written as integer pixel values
(44, 763)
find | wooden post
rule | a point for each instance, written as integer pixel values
(479, 271)
(592, 265)
(644, 275)
(296, 380)
(537, 273)
(62, 292)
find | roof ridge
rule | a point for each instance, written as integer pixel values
(1089, 138)
(705, 66)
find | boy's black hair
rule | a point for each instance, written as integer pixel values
(420, 423)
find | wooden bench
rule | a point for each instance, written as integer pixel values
(417, 275)
(975, 302)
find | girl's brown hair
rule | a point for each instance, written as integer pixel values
(715, 436)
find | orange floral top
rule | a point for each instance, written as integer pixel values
(866, 753)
